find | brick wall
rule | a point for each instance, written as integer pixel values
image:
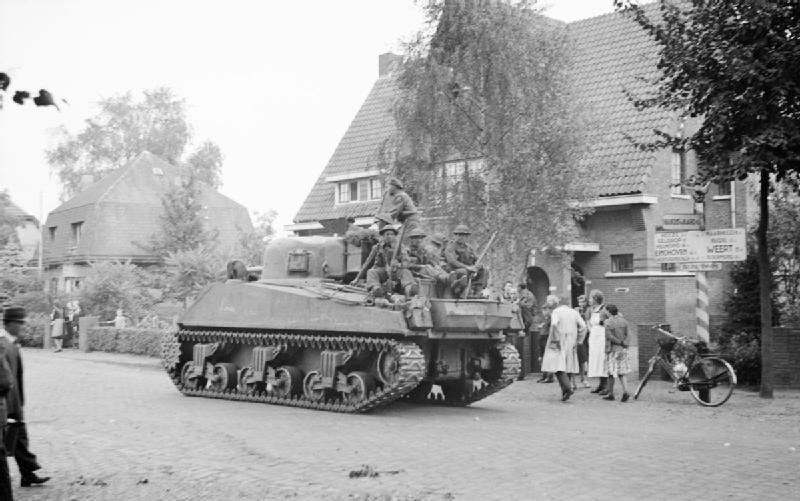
(786, 356)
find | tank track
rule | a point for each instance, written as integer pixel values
(411, 367)
(512, 365)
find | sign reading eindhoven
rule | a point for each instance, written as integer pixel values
(700, 246)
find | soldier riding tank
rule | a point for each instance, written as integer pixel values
(300, 336)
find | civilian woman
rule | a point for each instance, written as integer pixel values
(597, 340)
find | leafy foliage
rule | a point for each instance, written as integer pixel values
(123, 129)
(189, 271)
(183, 225)
(489, 83)
(784, 245)
(251, 244)
(8, 222)
(127, 340)
(112, 285)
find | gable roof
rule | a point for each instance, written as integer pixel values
(611, 53)
(12, 210)
(358, 151)
(123, 209)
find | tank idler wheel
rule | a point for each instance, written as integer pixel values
(388, 367)
(223, 377)
(248, 387)
(311, 380)
(456, 390)
(194, 383)
(359, 386)
(289, 381)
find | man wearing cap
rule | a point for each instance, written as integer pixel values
(422, 262)
(461, 262)
(385, 267)
(400, 206)
(13, 319)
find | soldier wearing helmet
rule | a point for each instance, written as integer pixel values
(422, 262)
(400, 206)
(386, 270)
(461, 262)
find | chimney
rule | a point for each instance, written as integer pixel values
(387, 62)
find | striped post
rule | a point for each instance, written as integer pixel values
(701, 307)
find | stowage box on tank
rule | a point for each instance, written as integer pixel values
(298, 335)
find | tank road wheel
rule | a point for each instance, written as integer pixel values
(312, 379)
(191, 384)
(388, 367)
(249, 388)
(360, 385)
(290, 381)
(223, 377)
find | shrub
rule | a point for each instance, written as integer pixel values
(747, 363)
(33, 331)
(126, 340)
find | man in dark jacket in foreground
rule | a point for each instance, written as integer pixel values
(13, 318)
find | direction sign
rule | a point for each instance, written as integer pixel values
(698, 266)
(678, 222)
(701, 246)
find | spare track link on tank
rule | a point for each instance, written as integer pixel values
(410, 367)
(512, 365)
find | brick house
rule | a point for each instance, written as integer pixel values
(111, 219)
(615, 252)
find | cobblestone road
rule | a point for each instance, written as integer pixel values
(113, 427)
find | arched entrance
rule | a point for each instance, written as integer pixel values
(538, 283)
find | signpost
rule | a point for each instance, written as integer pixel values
(698, 266)
(682, 222)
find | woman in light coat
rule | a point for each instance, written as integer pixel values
(597, 340)
(561, 355)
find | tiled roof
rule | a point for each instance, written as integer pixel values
(358, 151)
(122, 210)
(11, 209)
(611, 53)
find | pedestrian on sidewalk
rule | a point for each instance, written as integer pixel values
(561, 355)
(57, 326)
(583, 345)
(616, 352)
(13, 319)
(544, 337)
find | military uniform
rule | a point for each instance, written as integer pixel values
(426, 264)
(401, 208)
(378, 275)
(459, 257)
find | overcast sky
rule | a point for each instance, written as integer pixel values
(275, 84)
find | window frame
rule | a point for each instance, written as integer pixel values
(678, 172)
(617, 263)
(77, 232)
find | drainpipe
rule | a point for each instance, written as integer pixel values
(733, 204)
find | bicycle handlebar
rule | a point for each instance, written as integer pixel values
(667, 333)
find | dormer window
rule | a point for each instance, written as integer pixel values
(358, 190)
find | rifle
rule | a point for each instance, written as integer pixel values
(395, 252)
(366, 265)
(477, 262)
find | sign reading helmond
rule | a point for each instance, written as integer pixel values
(676, 222)
(701, 246)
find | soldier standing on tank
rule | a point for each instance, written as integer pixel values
(424, 263)
(461, 261)
(400, 206)
(385, 269)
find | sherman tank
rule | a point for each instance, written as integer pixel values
(300, 335)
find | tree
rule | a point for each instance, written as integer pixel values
(8, 221)
(183, 226)
(736, 65)
(123, 129)
(784, 250)
(189, 271)
(489, 84)
(112, 285)
(251, 244)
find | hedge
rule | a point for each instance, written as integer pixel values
(133, 340)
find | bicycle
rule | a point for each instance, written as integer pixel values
(709, 378)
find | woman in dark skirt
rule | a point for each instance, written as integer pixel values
(583, 346)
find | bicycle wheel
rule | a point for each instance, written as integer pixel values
(643, 381)
(711, 381)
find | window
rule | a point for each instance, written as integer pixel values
(76, 233)
(375, 191)
(72, 284)
(360, 190)
(678, 172)
(621, 263)
(668, 267)
(52, 230)
(724, 188)
(54, 285)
